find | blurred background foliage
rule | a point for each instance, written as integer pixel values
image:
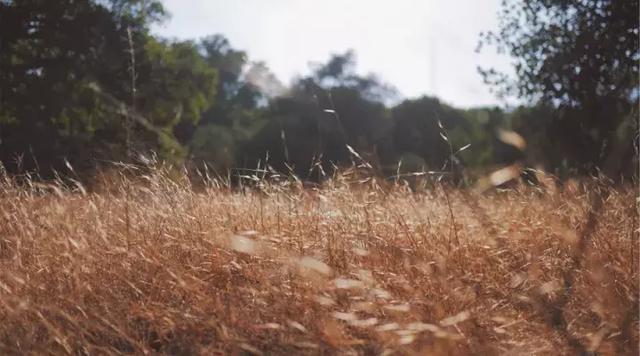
(86, 81)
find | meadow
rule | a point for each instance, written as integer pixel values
(154, 263)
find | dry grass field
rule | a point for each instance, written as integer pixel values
(153, 265)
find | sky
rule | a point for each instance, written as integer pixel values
(422, 47)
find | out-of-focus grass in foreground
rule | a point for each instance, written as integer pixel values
(152, 264)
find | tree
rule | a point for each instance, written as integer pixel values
(84, 80)
(417, 130)
(235, 117)
(581, 57)
(53, 54)
(177, 84)
(323, 113)
(478, 130)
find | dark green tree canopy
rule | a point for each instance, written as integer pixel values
(580, 56)
(570, 52)
(65, 82)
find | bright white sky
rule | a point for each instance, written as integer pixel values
(419, 46)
